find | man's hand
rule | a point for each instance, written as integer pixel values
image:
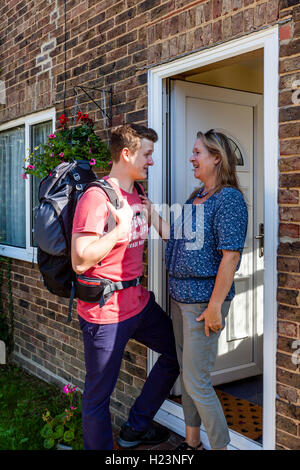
(146, 203)
(213, 319)
(123, 217)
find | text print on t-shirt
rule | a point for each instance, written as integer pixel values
(139, 227)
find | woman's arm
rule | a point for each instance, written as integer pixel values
(224, 279)
(160, 225)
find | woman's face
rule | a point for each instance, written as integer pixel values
(204, 163)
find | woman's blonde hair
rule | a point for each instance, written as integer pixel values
(218, 144)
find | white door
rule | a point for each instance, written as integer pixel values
(237, 114)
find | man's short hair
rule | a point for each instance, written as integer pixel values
(129, 136)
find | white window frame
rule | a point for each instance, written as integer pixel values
(170, 414)
(29, 252)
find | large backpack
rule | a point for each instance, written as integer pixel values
(59, 193)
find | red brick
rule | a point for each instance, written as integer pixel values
(289, 394)
(289, 130)
(288, 196)
(289, 180)
(237, 23)
(288, 329)
(285, 32)
(249, 19)
(217, 8)
(288, 264)
(288, 378)
(288, 296)
(289, 214)
(291, 442)
(260, 14)
(289, 230)
(285, 360)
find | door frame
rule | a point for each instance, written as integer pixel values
(170, 414)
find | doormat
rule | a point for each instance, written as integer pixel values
(241, 415)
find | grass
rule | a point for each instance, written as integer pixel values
(23, 400)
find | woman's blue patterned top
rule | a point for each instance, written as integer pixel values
(193, 252)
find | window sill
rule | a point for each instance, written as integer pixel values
(18, 253)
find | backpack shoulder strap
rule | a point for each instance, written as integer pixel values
(139, 188)
(108, 189)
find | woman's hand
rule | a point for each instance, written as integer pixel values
(213, 319)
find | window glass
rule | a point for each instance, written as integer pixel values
(12, 188)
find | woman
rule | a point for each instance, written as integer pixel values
(201, 280)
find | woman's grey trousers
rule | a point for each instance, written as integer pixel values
(196, 355)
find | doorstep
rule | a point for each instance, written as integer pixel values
(171, 444)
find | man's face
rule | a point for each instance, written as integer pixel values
(141, 160)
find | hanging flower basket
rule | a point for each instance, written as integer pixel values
(66, 145)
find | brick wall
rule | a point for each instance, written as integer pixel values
(111, 44)
(288, 263)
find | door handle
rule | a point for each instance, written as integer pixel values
(261, 239)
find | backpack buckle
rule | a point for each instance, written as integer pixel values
(76, 176)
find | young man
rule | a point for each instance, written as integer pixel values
(131, 312)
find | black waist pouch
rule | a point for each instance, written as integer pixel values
(91, 289)
(95, 290)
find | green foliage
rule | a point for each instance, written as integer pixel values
(23, 400)
(65, 427)
(67, 145)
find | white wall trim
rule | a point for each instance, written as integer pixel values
(268, 40)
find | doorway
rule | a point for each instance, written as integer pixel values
(224, 91)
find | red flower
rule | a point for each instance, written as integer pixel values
(63, 119)
(79, 116)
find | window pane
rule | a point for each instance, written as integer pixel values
(39, 135)
(12, 188)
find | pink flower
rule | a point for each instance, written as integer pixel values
(66, 389)
(51, 154)
(61, 154)
(51, 136)
(92, 161)
(31, 167)
(24, 176)
(110, 162)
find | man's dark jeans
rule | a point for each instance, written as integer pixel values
(104, 346)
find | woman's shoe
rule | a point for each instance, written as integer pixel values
(185, 446)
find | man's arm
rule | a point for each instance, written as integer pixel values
(88, 248)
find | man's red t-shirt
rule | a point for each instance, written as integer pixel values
(123, 263)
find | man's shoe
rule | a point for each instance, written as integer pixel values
(129, 437)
